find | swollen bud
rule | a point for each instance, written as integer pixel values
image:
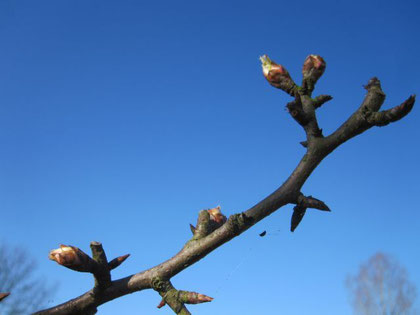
(72, 258)
(217, 216)
(277, 75)
(313, 68)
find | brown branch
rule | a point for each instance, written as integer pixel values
(102, 271)
(385, 117)
(211, 231)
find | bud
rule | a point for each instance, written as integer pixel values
(216, 215)
(193, 297)
(297, 216)
(4, 295)
(117, 261)
(161, 304)
(313, 68)
(276, 75)
(72, 258)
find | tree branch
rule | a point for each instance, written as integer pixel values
(212, 229)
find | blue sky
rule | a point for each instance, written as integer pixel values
(120, 120)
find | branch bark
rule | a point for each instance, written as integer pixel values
(212, 233)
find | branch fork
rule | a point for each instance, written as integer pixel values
(213, 229)
(74, 258)
(176, 299)
(303, 203)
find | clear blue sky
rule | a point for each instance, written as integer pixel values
(120, 120)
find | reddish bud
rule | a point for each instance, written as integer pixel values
(161, 304)
(193, 297)
(276, 74)
(313, 68)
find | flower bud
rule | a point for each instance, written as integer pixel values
(72, 257)
(277, 75)
(313, 68)
(216, 215)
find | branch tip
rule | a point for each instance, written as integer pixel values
(161, 304)
(321, 100)
(192, 228)
(117, 261)
(311, 202)
(385, 117)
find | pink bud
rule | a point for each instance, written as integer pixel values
(313, 67)
(274, 73)
(277, 75)
(193, 297)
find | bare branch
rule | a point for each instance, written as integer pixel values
(212, 229)
(385, 117)
(368, 116)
